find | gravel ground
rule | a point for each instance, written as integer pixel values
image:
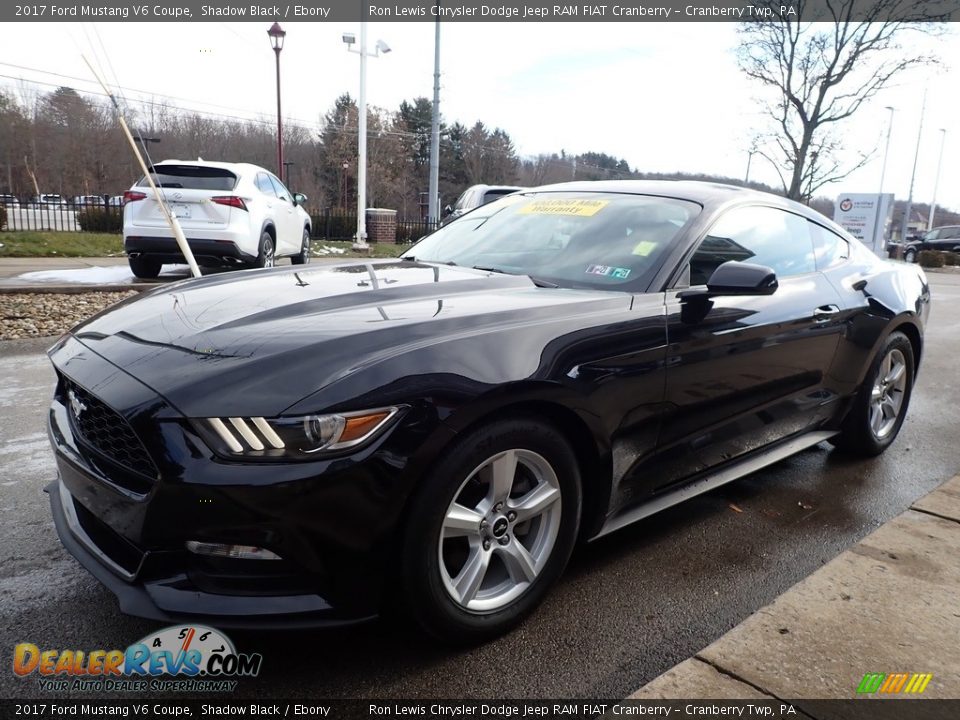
(27, 315)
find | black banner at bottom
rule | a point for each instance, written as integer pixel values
(858, 709)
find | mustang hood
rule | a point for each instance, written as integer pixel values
(258, 342)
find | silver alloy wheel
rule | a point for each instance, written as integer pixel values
(268, 254)
(305, 249)
(886, 398)
(499, 530)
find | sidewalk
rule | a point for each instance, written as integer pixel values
(890, 604)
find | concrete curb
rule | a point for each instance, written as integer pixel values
(888, 605)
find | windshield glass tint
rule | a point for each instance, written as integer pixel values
(571, 239)
(192, 177)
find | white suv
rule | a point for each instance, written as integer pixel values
(233, 214)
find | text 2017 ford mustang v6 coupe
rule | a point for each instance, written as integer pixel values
(294, 447)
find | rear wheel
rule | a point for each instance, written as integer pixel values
(144, 267)
(491, 529)
(881, 404)
(303, 257)
(266, 257)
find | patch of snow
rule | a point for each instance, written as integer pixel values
(83, 276)
(330, 250)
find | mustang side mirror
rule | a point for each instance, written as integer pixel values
(299, 199)
(737, 278)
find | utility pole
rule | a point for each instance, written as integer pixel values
(936, 182)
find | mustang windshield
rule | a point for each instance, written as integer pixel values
(569, 239)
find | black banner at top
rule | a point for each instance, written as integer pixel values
(478, 11)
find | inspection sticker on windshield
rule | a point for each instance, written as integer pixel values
(644, 248)
(609, 271)
(579, 208)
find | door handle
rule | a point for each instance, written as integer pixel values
(825, 312)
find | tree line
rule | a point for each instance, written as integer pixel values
(70, 143)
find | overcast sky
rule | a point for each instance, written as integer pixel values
(664, 96)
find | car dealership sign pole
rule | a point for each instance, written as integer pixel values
(865, 216)
(169, 216)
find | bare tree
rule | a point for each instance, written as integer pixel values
(822, 65)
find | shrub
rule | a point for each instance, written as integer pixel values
(930, 259)
(951, 258)
(3, 217)
(109, 220)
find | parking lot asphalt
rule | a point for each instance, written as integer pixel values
(630, 606)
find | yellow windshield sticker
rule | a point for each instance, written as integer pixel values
(578, 208)
(644, 248)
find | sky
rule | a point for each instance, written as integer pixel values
(664, 96)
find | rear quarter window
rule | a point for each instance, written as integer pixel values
(191, 177)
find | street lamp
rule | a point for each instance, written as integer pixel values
(277, 34)
(360, 242)
(936, 182)
(886, 150)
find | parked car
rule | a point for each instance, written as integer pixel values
(437, 431)
(476, 196)
(47, 200)
(115, 201)
(233, 214)
(88, 201)
(946, 238)
(10, 201)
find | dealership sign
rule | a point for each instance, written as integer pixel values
(866, 217)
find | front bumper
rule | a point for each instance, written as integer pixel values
(333, 522)
(175, 599)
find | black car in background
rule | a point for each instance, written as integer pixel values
(305, 447)
(945, 239)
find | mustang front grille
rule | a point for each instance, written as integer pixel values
(105, 430)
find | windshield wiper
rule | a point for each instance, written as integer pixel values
(536, 281)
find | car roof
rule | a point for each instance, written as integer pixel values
(708, 194)
(240, 168)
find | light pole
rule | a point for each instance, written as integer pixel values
(750, 153)
(277, 34)
(360, 241)
(433, 200)
(936, 182)
(913, 175)
(886, 149)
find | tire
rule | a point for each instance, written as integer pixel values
(266, 256)
(145, 268)
(303, 257)
(462, 519)
(910, 255)
(881, 403)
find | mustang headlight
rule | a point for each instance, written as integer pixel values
(294, 437)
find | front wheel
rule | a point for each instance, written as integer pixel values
(881, 404)
(910, 255)
(490, 530)
(303, 257)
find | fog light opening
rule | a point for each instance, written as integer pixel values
(240, 552)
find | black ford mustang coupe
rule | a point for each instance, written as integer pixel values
(289, 447)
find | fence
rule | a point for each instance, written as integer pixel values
(63, 217)
(326, 224)
(334, 224)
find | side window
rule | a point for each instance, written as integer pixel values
(952, 233)
(264, 185)
(281, 191)
(829, 248)
(932, 235)
(759, 235)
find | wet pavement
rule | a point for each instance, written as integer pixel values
(630, 606)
